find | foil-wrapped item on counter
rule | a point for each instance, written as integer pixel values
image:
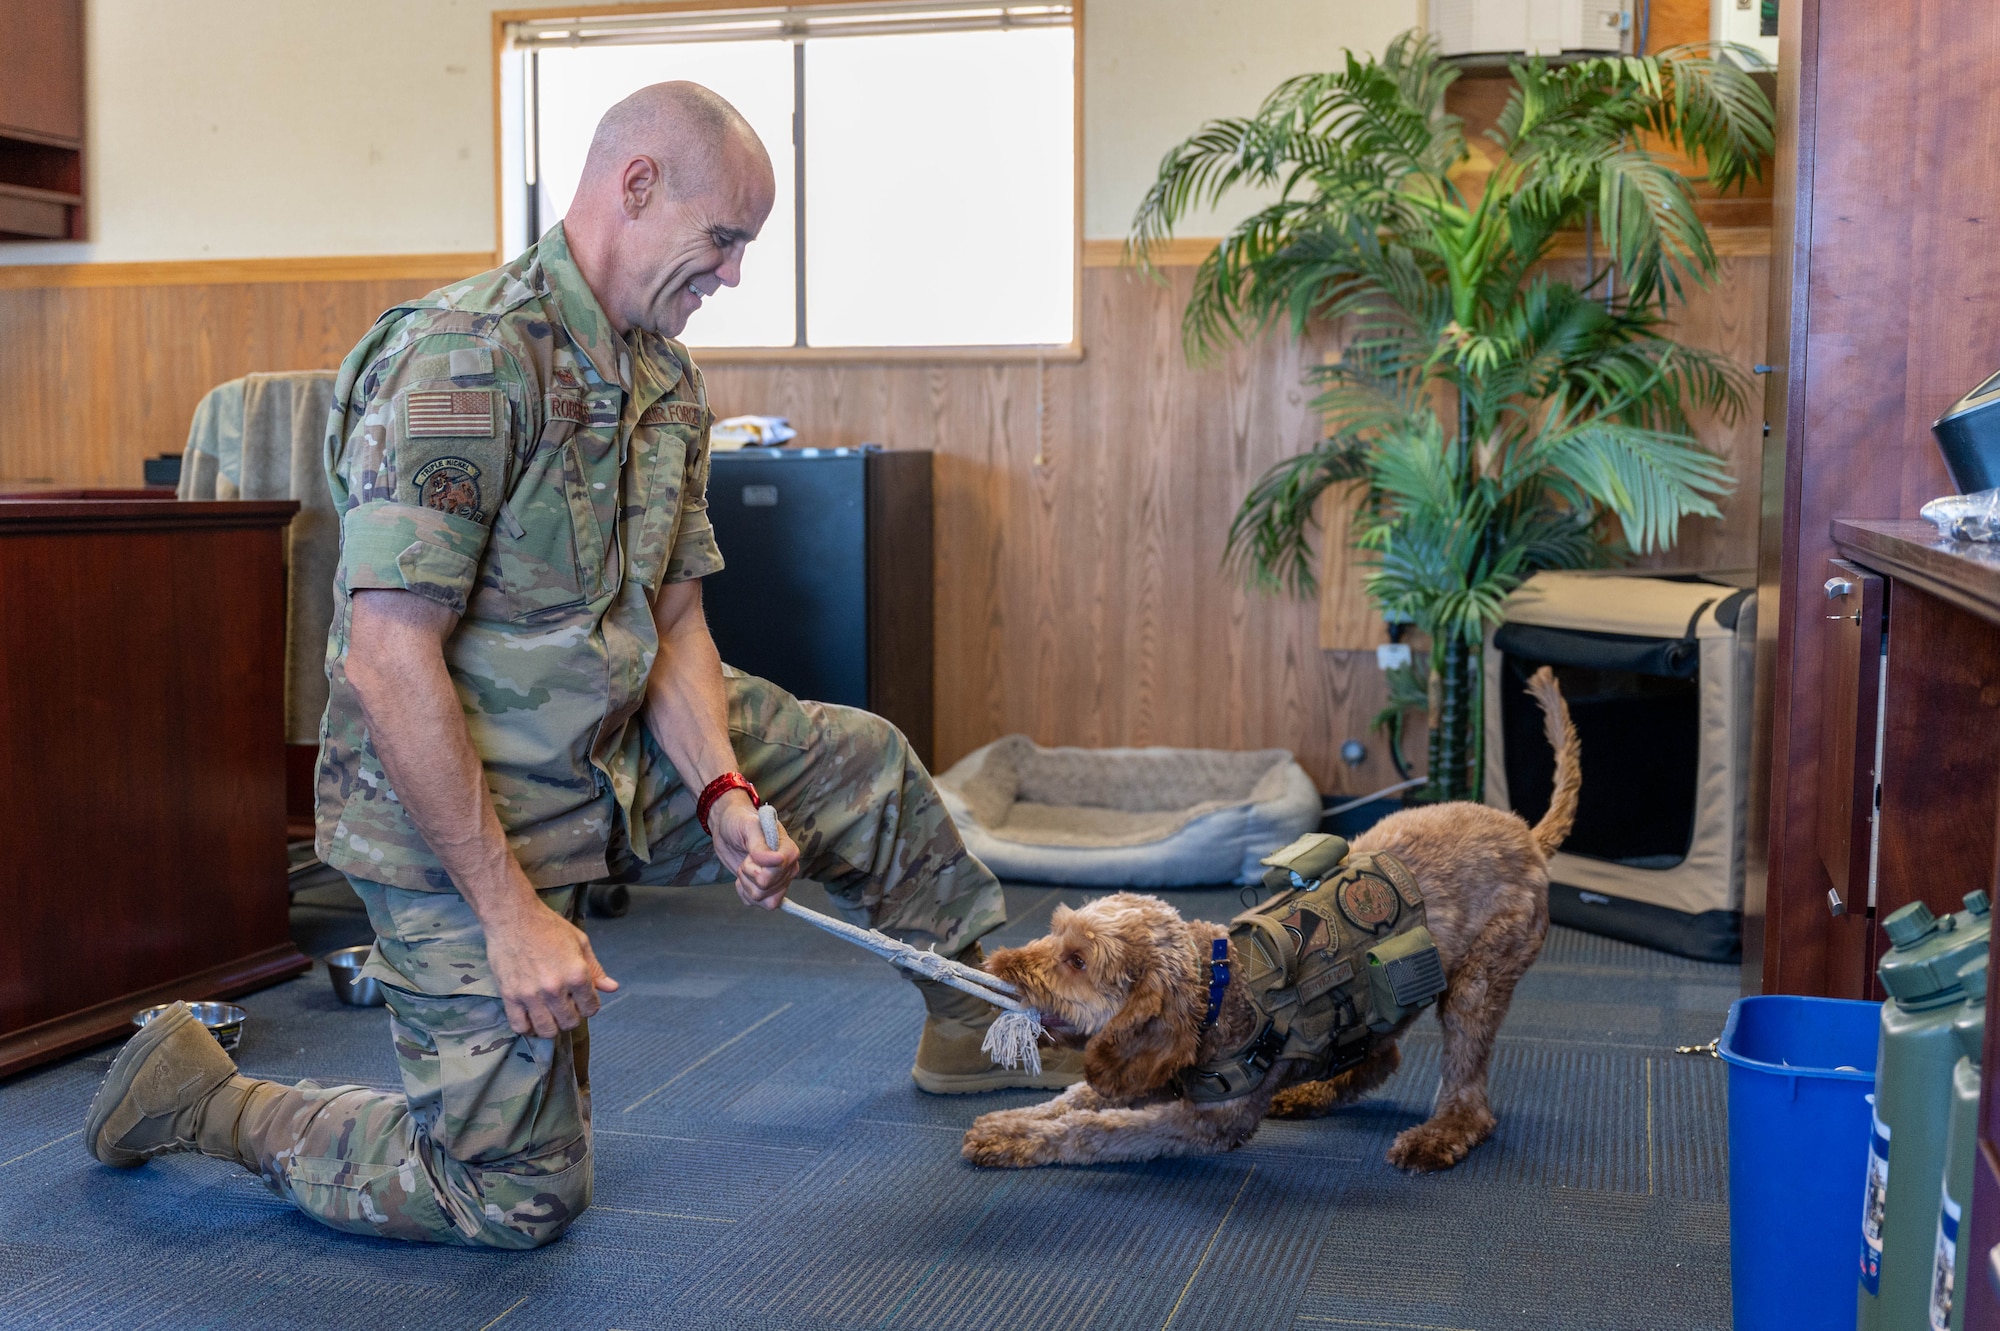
(1973, 517)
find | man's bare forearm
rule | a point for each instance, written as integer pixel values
(687, 707)
(396, 663)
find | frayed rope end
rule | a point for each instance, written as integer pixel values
(1014, 1039)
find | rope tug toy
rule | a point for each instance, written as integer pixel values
(1013, 1038)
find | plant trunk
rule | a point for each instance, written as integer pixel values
(1457, 735)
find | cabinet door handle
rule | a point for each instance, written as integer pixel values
(1834, 905)
(1837, 588)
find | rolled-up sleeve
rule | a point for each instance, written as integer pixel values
(426, 463)
(695, 554)
(404, 547)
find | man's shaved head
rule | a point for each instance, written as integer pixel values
(688, 129)
(675, 185)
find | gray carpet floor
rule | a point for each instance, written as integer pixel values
(763, 1161)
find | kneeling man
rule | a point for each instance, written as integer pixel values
(525, 699)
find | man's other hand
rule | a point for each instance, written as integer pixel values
(762, 874)
(548, 976)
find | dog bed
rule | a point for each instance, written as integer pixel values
(1150, 817)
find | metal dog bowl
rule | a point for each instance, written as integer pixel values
(350, 986)
(223, 1020)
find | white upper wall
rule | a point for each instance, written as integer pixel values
(267, 128)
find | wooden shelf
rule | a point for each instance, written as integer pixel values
(41, 120)
(61, 198)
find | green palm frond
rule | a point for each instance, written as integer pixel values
(1269, 541)
(1489, 419)
(1649, 479)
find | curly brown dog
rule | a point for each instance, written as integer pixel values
(1126, 978)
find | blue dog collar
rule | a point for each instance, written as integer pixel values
(1218, 979)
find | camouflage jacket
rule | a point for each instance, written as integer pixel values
(498, 448)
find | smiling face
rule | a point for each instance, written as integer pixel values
(674, 253)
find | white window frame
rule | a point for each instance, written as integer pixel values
(509, 130)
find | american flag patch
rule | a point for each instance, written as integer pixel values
(459, 413)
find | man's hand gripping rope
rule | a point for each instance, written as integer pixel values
(1012, 1040)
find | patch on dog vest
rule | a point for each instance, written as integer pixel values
(1340, 956)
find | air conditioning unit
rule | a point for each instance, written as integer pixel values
(1528, 27)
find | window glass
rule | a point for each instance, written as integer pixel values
(940, 189)
(579, 84)
(940, 172)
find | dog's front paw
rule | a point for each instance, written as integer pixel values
(1000, 1141)
(1440, 1143)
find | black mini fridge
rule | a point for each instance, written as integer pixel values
(827, 580)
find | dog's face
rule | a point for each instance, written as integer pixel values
(1115, 977)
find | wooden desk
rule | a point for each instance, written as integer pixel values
(142, 840)
(1941, 784)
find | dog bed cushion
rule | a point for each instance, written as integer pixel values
(1152, 817)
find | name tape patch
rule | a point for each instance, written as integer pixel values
(672, 413)
(459, 413)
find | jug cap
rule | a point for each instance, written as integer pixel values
(1910, 925)
(1922, 970)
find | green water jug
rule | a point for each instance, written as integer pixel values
(1948, 1264)
(1912, 1108)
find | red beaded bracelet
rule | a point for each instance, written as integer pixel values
(719, 787)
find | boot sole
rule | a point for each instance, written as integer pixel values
(999, 1079)
(122, 1071)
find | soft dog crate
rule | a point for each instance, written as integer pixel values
(1658, 677)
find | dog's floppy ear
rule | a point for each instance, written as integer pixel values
(1139, 1050)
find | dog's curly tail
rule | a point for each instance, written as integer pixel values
(1554, 828)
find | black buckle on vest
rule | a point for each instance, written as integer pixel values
(1263, 1050)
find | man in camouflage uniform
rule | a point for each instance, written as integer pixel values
(525, 698)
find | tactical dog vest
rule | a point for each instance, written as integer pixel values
(1336, 959)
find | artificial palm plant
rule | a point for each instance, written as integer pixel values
(1488, 419)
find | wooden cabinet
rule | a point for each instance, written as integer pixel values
(41, 120)
(1940, 769)
(1885, 307)
(142, 649)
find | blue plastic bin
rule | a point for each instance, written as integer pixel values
(1800, 1072)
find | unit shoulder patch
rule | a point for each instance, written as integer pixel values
(450, 485)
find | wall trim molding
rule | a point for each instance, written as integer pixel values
(224, 272)
(1730, 242)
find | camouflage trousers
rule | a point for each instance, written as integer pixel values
(489, 1141)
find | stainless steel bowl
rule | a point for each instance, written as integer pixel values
(223, 1020)
(350, 986)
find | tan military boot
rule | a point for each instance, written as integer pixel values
(949, 1058)
(171, 1088)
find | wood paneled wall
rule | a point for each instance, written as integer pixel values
(1081, 506)
(94, 379)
